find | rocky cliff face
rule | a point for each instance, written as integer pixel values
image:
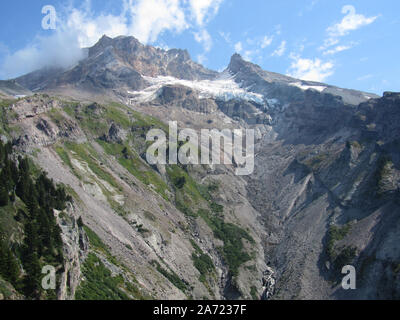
(324, 193)
(118, 64)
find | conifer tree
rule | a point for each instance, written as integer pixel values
(4, 198)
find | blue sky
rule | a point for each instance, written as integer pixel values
(352, 44)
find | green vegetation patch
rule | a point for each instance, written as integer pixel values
(335, 234)
(232, 236)
(116, 114)
(99, 284)
(253, 293)
(171, 276)
(4, 104)
(188, 194)
(345, 257)
(384, 169)
(131, 161)
(202, 262)
(86, 153)
(64, 156)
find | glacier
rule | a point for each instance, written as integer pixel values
(223, 88)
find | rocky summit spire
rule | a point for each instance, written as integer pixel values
(236, 63)
(103, 43)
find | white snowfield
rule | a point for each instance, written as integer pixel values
(305, 87)
(223, 88)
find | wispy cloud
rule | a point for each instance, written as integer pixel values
(352, 21)
(266, 41)
(204, 38)
(318, 69)
(247, 54)
(238, 47)
(201, 58)
(308, 7)
(329, 42)
(226, 36)
(203, 10)
(339, 48)
(149, 18)
(61, 49)
(310, 69)
(280, 50)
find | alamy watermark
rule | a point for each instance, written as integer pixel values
(49, 280)
(50, 19)
(186, 147)
(349, 281)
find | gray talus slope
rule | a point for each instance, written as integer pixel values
(329, 194)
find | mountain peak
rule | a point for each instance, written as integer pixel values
(236, 57)
(103, 43)
(238, 64)
(104, 38)
(236, 60)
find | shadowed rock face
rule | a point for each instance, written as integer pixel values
(380, 118)
(324, 170)
(326, 159)
(186, 98)
(11, 88)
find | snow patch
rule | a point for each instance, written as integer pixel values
(305, 87)
(223, 88)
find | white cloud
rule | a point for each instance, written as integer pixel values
(266, 41)
(238, 47)
(201, 58)
(329, 43)
(352, 21)
(338, 49)
(250, 41)
(62, 49)
(278, 29)
(204, 38)
(226, 36)
(318, 70)
(89, 29)
(280, 50)
(249, 54)
(204, 9)
(151, 17)
(310, 69)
